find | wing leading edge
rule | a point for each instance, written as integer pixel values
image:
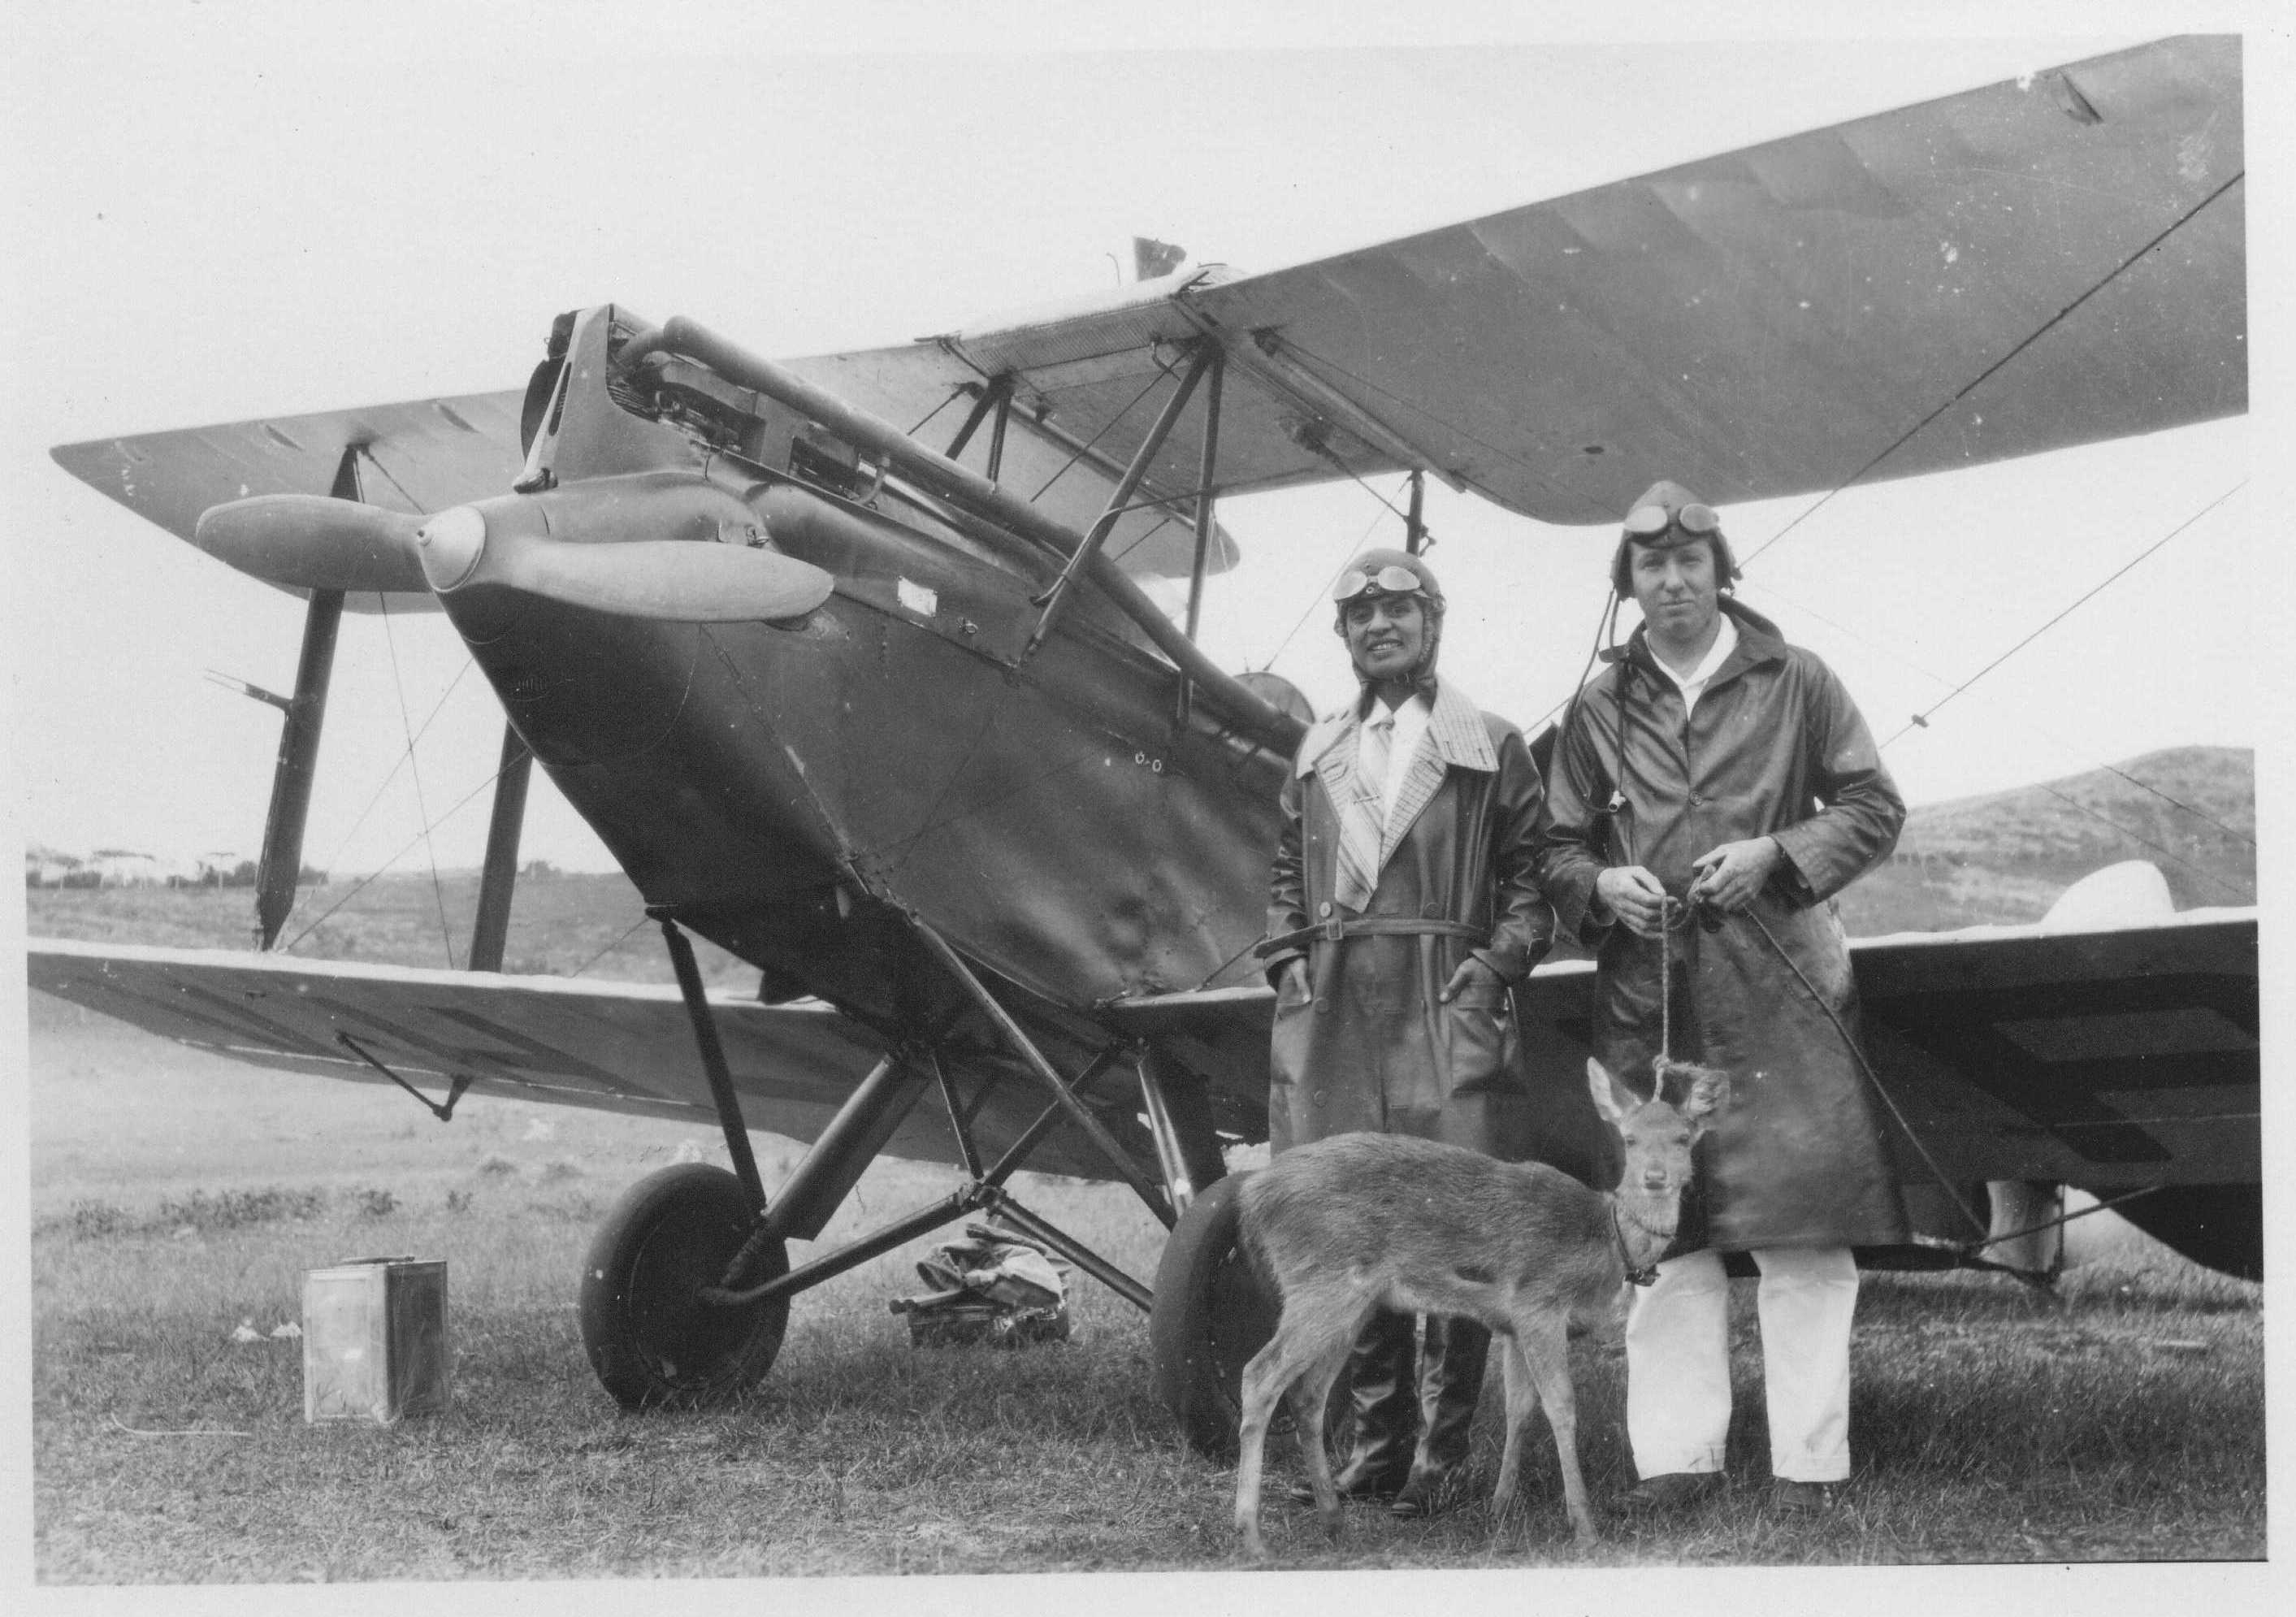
(611, 1046)
(2110, 1059)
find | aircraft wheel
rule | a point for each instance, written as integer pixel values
(1210, 1316)
(651, 1340)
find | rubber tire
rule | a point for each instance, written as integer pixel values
(1211, 1314)
(652, 1341)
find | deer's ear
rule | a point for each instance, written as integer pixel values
(1612, 1099)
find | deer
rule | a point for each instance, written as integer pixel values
(1356, 1222)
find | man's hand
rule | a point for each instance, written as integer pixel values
(1635, 896)
(1295, 979)
(1730, 876)
(1471, 973)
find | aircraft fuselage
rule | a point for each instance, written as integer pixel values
(1056, 820)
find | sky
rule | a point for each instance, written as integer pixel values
(226, 212)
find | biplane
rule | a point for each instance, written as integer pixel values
(898, 718)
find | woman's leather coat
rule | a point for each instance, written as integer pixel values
(1369, 1046)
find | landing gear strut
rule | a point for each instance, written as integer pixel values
(686, 1289)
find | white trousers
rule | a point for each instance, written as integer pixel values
(1678, 1362)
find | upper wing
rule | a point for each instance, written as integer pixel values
(614, 1046)
(1764, 323)
(420, 455)
(2103, 1059)
(1794, 315)
(424, 454)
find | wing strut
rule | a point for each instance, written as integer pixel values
(298, 742)
(298, 764)
(1082, 557)
(1207, 506)
(1091, 1127)
(499, 876)
(997, 396)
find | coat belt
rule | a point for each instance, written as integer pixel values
(1371, 926)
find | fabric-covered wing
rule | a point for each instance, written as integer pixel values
(612, 1046)
(1772, 321)
(2108, 1060)
(2041, 263)
(420, 456)
(427, 453)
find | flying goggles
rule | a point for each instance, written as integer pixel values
(1646, 523)
(1390, 580)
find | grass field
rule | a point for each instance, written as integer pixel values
(176, 1195)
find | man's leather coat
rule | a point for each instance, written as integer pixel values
(1775, 747)
(1369, 1046)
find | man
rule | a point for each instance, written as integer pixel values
(1709, 796)
(1405, 905)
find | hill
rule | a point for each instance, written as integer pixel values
(2005, 855)
(561, 923)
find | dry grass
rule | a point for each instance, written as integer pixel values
(176, 1195)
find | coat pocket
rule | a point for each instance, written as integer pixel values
(1291, 1039)
(1480, 1042)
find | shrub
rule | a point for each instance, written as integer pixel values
(205, 1209)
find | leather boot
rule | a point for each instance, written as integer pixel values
(1451, 1360)
(1382, 1412)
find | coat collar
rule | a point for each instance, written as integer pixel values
(1454, 728)
(1760, 641)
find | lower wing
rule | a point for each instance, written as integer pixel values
(613, 1047)
(2108, 1059)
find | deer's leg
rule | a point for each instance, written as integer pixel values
(1270, 1371)
(1310, 1393)
(1520, 1395)
(1546, 1351)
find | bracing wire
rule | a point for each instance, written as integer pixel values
(1165, 520)
(399, 762)
(2144, 842)
(1356, 478)
(1324, 590)
(366, 453)
(2231, 833)
(628, 932)
(925, 420)
(1107, 427)
(415, 768)
(405, 847)
(1978, 380)
(1922, 720)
